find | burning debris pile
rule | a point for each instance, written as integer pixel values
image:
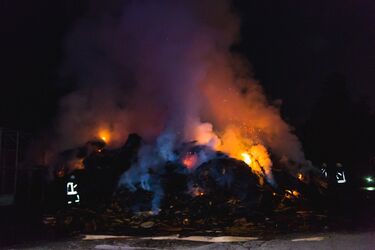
(212, 145)
(222, 192)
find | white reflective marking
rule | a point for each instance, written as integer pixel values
(70, 186)
(319, 238)
(70, 191)
(77, 201)
(324, 172)
(340, 177)
(120, 247)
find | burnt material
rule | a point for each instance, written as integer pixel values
(222, 193)
(228, 178)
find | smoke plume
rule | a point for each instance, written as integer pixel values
(164, 70)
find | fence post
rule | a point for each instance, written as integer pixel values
(16, 162)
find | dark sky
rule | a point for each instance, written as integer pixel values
(292, 45)
(295, 45)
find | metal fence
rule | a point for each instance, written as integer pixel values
(13, 149)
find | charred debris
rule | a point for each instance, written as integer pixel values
(220, 195)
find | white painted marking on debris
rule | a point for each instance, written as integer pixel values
(220, 239)
(104, 237)
(120, 247)
(309, 239)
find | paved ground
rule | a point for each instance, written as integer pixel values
(313, 241)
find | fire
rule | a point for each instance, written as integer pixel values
(190, 160)
(104, 135)
(242, 147)
(246, 158)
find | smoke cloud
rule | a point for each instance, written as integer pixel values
(164, 70)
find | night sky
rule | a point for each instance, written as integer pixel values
(293, 46)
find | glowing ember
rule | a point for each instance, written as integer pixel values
(300, 176)
(295, 193)
(190, 160)
(60, 173)
(197, 191)
(290, 194)
(77, 164)
(246, 158)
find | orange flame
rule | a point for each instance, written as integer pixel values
(104, 135)
(190, 160)
(243, 147)
(246, 158)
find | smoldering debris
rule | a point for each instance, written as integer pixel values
(167, 72)
(222, 194)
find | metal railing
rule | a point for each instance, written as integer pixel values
(13, 149)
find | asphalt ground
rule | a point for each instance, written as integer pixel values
(364, 240)
(350, 225)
